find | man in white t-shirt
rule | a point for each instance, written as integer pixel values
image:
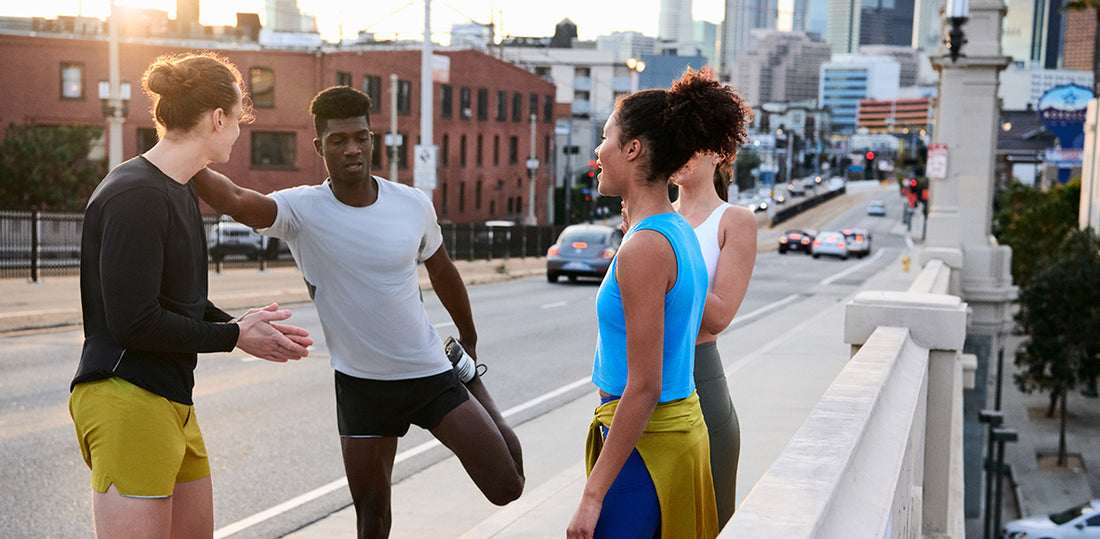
(357, 240)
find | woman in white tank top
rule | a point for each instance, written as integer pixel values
(727, 236)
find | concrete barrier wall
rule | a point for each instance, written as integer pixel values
(880, 455)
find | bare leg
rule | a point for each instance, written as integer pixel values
(193, 509)
(487, 447)
(120, 516)
(368, 463)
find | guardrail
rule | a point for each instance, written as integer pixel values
(36, 244)
(881, 454)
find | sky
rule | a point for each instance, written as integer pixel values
(335, 18)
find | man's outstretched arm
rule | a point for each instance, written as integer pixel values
(246, 206)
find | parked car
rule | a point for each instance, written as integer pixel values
(228, 237)
(582, 251)
(796, 189)
(796, 240)
(830, 244)
(1079, 522)
(859, 241)
(876, 208)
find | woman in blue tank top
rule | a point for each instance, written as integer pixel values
(648, 452)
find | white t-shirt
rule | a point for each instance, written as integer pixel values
(361, 265)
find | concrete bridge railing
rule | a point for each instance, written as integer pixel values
(881, 454)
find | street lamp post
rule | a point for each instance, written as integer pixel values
(636, 66)
(532, 167)
(114, 101)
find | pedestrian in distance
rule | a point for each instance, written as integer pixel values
(648, 450)
(357, 239)
(143, 288)
(727, 237)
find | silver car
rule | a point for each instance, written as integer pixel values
(582, 251)
(830, 244)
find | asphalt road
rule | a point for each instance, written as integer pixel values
(270, 428)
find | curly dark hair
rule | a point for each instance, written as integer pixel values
(699, 114)
(338, 102)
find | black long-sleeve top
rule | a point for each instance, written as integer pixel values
(143, 284)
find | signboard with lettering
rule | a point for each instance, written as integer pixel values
(937, 161)
(1062, 111)
(424, 166)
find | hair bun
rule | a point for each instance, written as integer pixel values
(172, 80)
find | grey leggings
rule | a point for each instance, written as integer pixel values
(722, 426)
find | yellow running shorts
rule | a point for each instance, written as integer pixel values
(139, 441)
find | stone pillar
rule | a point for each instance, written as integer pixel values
(961, 206)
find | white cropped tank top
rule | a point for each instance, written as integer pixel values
(707, 232)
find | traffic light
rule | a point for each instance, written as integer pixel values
(913, 184)
(869, 166)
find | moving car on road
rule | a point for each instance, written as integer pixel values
(1079, 522)
(876, 208)
(830, 244)
(582, 251)
(859, 241)
(796, 240)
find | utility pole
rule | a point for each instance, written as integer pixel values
(393, 128)
(424, 164)
(114, 121)
(532, 168)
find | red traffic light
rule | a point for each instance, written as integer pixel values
(870, 156)
(591, 173)
(912, 182)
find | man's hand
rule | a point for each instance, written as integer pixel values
(260, 336)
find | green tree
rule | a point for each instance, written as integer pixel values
(1084, 5)
(1034, 222)
(1059, 313)
(47, 168)
(747, 161)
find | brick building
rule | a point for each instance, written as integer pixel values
(482, 113)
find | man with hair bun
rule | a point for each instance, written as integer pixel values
(143, 291)
(357, 239)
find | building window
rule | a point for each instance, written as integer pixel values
(477, 196)
(444, 146)
(462, 197)
(464, 103)
(262, 85)
(446, 100)
(462, 151)
(343, 78)
(513, 150)
(548, 108)
(492, 208)
(482, 104)
(496, 150)
(519, 205)
(402, 152)
(443, 197)
(517, 107)
(72, 80)
(146, 139)
(509, 206)
(376, 155)
(273, 149)
(480, 147)
(502, 105)
(372, 86)
(533, 106)
(404, 97)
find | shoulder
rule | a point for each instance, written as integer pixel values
(400, 189)
(739, 219)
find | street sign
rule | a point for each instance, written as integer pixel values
(937, 161)
(424, 166)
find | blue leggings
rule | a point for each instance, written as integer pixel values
(630, 508)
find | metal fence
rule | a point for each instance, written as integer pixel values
(36, 244)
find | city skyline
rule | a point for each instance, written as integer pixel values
(405, 18)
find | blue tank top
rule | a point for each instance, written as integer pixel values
(683, 314)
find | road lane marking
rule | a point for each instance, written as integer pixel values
(288, 505)
(323, 490)
(555, 304)
(836, 277)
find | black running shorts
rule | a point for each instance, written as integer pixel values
(367, 407)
